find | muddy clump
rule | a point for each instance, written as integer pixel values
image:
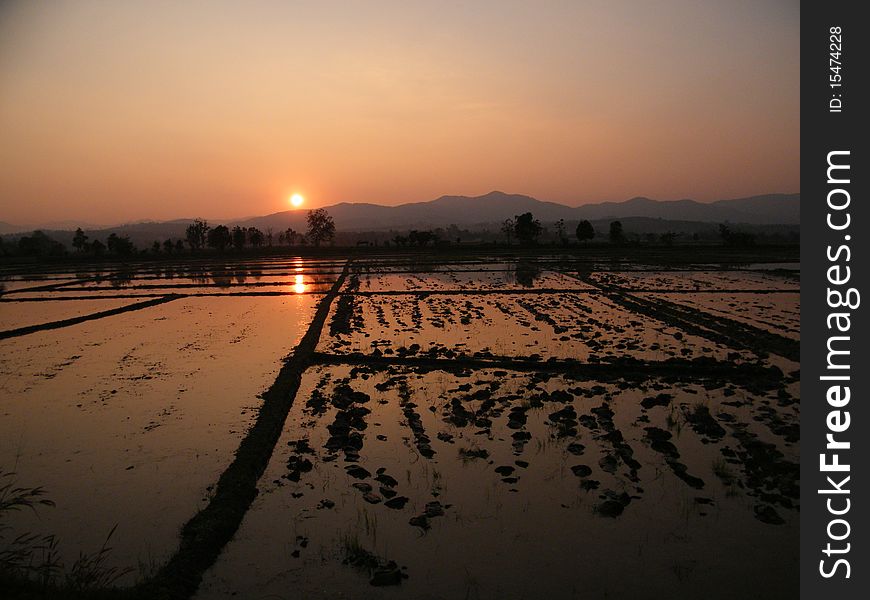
(381, 572)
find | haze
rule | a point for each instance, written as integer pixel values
(114, 112)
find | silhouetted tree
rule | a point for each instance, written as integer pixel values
(321, 227)
(454, 233)
(196, 234)
(120, 245)
(736, 238)
(179, 246)
(168, 246)
(155, 247)
(420, 238)
(667, 239)
(219, 237)
(97, 247)
(560, 231)
(291, 236)
(39, 244)
(269, 236)
(527, 228)
(79, 240)
(238, 237)
(507, 228)
(585, 231)
(617, 236)
(256, 237)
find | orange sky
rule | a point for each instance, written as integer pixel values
(120, 111)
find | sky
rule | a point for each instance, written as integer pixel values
(113, 112)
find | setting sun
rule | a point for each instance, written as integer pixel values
(296, 200)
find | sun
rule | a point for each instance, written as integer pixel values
(296, 200)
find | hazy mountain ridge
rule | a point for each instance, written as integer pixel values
(6, 228)
(486, 211)
(495, 207)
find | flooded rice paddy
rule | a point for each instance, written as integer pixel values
(406, 427)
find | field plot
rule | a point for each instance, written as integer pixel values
(469, 481)
(583, 327)
(485, 276)
(490, 428)
(145, 407)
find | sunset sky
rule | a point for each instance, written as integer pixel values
(121, 111)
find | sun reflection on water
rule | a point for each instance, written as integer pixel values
(299, 287)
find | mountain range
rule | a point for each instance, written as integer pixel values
(479, 212)
(495, 207)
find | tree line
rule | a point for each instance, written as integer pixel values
(523, 229)
(526, 230)
(321, 228)
(198, 235)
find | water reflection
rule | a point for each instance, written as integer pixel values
(419, 264)
(295, 275)
(526, 272)
(222, 280)
(299, 287)
(121, 278)
(198, 275)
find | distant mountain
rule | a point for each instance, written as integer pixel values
(9, 228)
(68, 224)
(6, 228)
(771, 209)
(495, 207)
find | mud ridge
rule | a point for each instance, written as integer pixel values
(10, 333)
(700, 369)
